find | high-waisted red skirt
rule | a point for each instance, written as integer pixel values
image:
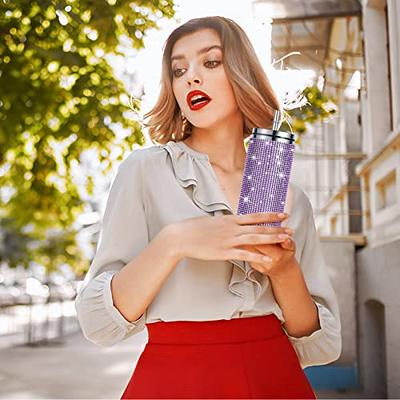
(237, 358)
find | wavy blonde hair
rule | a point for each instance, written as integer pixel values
(251, 86)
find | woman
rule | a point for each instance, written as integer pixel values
(233, 310)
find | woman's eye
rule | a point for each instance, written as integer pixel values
(213, 63)
(210, 64)
(176, 72)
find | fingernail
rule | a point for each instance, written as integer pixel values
(266, 258)
(290, 231)
(282, 215)
(283, 236)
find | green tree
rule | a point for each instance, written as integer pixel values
(317, 107)
(57, 88)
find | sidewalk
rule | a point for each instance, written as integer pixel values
(77, 369)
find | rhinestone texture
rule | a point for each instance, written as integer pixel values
(266, 177)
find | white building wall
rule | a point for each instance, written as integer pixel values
(394, 40)
(376, 60)
(378, 262)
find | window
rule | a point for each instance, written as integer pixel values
(386, 191)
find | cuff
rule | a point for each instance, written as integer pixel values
(115, 314)
(324, 345)
(100, 321)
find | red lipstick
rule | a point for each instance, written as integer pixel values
(197, 99)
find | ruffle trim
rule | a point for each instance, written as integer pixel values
(190, 168)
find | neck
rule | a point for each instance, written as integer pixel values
(224, 146)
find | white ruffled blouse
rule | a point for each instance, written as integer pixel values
(162, 184)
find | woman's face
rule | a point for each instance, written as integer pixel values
(196, 63)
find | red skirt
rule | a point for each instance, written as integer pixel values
(237, 358)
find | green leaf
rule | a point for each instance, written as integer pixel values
(55, 94)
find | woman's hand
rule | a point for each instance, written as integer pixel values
(282, 257)
(226, 237)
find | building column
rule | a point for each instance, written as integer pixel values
(394, 40)
(377, 68)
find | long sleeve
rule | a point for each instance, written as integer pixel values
(324, 345)
(123, 235)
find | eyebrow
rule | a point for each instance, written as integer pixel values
(201, 51)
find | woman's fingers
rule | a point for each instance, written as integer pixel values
(257, 218)
(238, 254)
(264, 229)
(253, 239)
(289, 244)
(215, 238)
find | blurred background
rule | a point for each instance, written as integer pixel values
(76, 76)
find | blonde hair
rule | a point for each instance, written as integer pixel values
(251, 87)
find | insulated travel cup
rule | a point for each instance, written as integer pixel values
(267, 171)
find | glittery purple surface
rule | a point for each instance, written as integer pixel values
(266, 177)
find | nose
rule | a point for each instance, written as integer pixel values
(193, 78)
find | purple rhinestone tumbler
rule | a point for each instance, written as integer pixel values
(267, 171)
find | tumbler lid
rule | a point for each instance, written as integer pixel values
(273, 135)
